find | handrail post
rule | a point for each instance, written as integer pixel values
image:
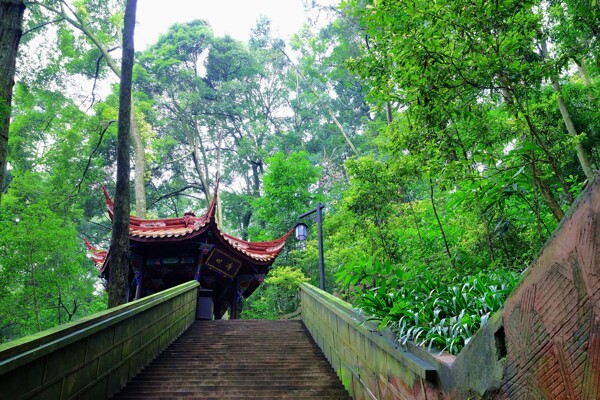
(321, 258)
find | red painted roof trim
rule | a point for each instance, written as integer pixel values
(187, 227)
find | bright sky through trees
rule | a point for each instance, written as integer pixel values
(226, 17)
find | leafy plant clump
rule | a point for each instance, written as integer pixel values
(433, 311)
(278, 296)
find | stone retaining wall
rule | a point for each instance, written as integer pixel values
(94, 357)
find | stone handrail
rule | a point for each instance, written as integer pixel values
(370, 362)
(95, 356)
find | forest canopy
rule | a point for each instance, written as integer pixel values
(446, 140)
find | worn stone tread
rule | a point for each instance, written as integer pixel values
(239, 359)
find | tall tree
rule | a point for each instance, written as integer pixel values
(99, 23)
(11, 21)
(171, 72)
(119, 248)
(440, 63)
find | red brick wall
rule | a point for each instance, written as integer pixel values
(552, 320)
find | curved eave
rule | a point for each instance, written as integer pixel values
(167, 234)
(263, 253)
(99, 257)
(188, 227)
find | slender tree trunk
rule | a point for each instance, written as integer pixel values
(538, 217)
(582, 66)
(138, 148)
(36, 307)
(437, 218)
(119, 248)
(547, 193)
(582, 155)
(202, 149)
(519, 107)
(58, 307)
(246, 224)
(388, 112)
(256, 172)
(219, 204)
(198, 167)
(197, 152)
(11, 21)
(537, 138)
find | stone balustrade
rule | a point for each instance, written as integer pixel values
(95, 356)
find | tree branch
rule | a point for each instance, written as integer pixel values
(42, 25)
(175, 193)
(89, 161)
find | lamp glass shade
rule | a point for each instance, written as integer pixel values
(301, 231)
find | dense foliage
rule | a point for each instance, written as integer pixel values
(277, 296)
(447, 140)
(425, 307)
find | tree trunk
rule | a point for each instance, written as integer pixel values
(197, 152)
(219, 204)
(521, 108)
(547, 193)
(582, 66)
(138, 148)
(437, 218)
(119, 247)
(205, 161)
(11, 21)
(388, 113)
(582, 156)
(246, 224)
(256, 173)
(35, 299)
(198, 167)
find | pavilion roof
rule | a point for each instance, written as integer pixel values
(183, 228)
(157, 230)
(98, 256)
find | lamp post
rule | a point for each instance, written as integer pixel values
(301, 234)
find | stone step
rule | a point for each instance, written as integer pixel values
(236, 392)
(239, 359)
(204, 386)
(233, 374)
(238, 395)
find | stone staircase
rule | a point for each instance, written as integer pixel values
(239, 359)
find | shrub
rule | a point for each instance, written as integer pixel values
(431, 309)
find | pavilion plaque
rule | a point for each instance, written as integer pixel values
(222, 263)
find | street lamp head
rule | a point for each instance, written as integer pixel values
(301, 231)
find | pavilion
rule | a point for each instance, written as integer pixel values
(169, 251)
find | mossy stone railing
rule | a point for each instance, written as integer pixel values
(95, 356)
(370, 363)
